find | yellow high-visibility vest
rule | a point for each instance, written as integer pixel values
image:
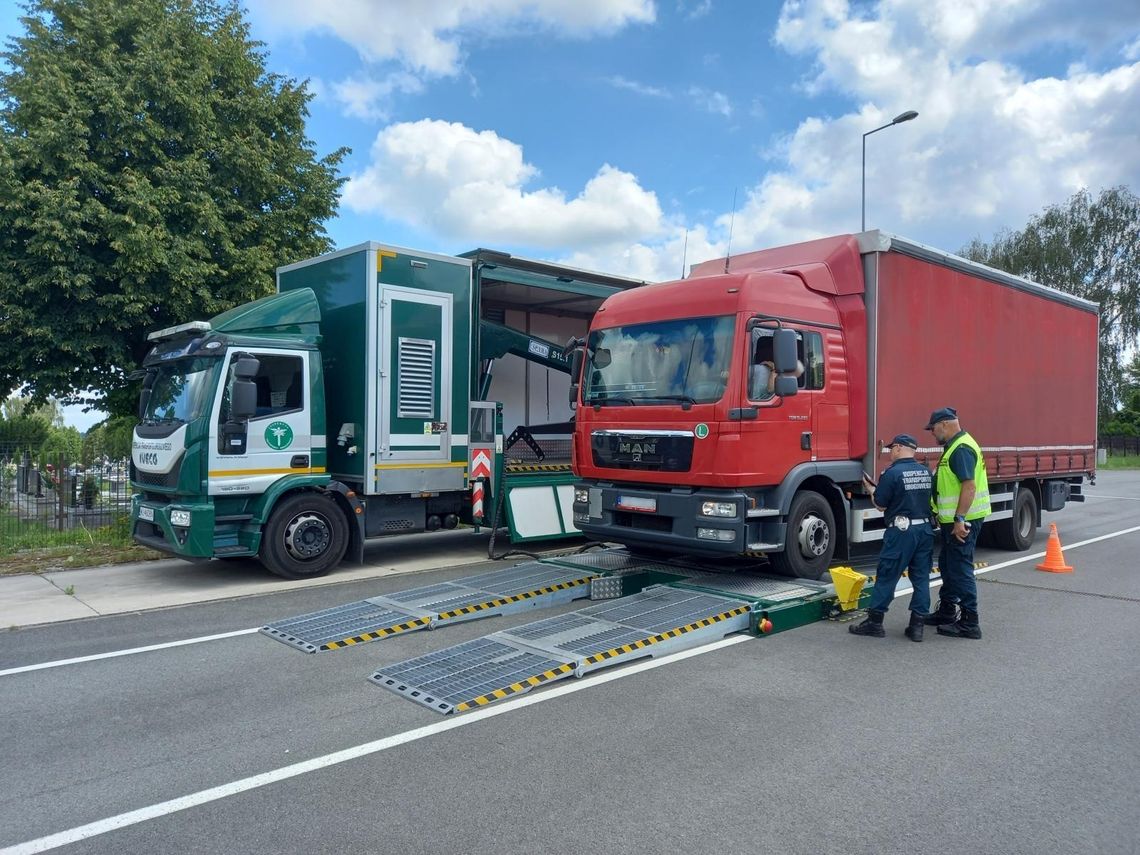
(950, 488)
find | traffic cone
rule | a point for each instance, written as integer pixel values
(1054, 560)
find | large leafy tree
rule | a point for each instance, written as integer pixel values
(152, 171)
(1086, 247)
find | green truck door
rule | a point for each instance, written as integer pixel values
(415, 418)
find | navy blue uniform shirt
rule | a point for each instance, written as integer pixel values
(904, 490)
(963, 460)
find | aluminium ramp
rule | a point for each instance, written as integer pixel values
(524, 586)
(655, 622)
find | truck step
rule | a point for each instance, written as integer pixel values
(524, 586)
(654, 622)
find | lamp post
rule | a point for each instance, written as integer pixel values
(900, 118)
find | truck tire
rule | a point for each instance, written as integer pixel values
(1016, 533)
(306, 536)
(810, 542)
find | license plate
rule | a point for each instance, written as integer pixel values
(637, 503)
(146, 513)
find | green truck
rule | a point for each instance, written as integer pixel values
(355, 403)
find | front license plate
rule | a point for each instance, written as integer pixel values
(637, 503)
(146, 513)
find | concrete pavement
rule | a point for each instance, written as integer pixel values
(64, 595)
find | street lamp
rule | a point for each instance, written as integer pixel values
(899, 119)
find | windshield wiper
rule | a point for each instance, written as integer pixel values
(685, 401)
(612, 399)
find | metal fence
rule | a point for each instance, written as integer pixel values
(1120, 445)
(49, 500)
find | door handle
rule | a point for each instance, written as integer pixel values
(299, 461)
(805, 440)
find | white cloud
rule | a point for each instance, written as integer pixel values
(694, 10)
(713, 102)
(367, 98)
(468, 185)
(619, 82)
(992, 144)
(427, 36)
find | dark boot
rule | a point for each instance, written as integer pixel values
(947, 612)
(965, 627)
(872, 626)
(917, 624)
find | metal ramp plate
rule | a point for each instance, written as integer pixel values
(470, 674)
(656, 621)
(754, 586)
(524, 586)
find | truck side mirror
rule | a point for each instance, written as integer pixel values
(784, 351)
(786, 386)
(145, 392)
(246, 367)
(243, 400)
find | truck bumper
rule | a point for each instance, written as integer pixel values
(182, 529)
(666, 520)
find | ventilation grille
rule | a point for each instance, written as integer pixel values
(417, 378)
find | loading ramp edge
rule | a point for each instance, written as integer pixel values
(384, 616)
(448, 682)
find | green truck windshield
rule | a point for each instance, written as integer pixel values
(179, 391)
(682, 360)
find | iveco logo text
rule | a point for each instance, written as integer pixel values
(148, 458)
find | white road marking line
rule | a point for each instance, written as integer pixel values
(114, 653)
(123, 820)
(1106, 496)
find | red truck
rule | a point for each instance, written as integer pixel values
(733, 413)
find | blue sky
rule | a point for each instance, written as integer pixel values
(613, 134)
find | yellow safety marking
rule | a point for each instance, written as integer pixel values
(492, 604)
(522, 685)
(230, 473)
(421, 465)
(538, 467)
(383, 632)
(381, 254)
(665, 636)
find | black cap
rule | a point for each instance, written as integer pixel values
(904, 439)
(943, 415)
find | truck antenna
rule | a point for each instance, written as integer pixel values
(685, 254)
(731, 222)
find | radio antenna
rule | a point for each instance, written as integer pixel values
(685, 254)
(731, 223)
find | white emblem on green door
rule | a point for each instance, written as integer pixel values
(278, 436)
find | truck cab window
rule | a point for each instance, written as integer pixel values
(280, 386)
(762, 370)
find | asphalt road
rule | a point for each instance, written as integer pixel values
(808, 741)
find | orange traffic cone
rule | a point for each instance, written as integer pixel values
(1054, 560)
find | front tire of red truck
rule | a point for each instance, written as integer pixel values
(306, 536)
(811, 537)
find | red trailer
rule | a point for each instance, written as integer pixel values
(684, 444)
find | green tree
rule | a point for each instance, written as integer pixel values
(152, 171)
(1086, 247)
(111, 438)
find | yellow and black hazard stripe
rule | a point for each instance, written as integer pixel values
(383, 632)
(538, 467)
(521, 686)
(514, 598)
(665, 636)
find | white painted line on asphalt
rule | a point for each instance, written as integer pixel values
(114, 653)
(123, 820)
(1106, 496)
(934, 583)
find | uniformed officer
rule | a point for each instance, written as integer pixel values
(903, 494)
(962, 501)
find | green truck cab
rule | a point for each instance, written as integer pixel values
(349, 405)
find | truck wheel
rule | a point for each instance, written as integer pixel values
(1016, 533)
(307, 536)
(810, 541)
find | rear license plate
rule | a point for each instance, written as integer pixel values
(146, 513)
(637, 503)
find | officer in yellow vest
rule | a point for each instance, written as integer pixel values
(961, 502)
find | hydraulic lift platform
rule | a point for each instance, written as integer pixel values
(656, 621)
